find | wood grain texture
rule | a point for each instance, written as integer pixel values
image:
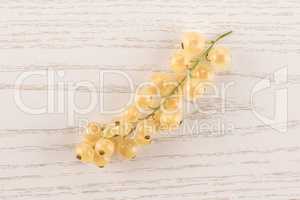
(231, 155)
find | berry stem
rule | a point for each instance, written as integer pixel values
(206, 52)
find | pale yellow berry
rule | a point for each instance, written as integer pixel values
(108, 130)
(178, 62)
(193, 89)
(193, 41)
(147, 97)
(101, 161)
(203, 72)
(167, 82)
(170, 121)
(191, 56)
(160, 77)
(94, 128)
(85, 152)
(111, 130)
(172, 104)
(168, 88)
(143, 103)
(127, 148)
(123, 128)
(104, 147)
(145, 131)
(117, 128)
(142, 138)
(219, 57)
(183, 60)
(91, 139)
(93, 133)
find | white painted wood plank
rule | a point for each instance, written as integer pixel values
(246, 159)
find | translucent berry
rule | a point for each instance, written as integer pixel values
(101, 161)
(193, 41)
(145, 131)
(167, 82)
(168, 87)
(203, 72)
(94, 128)
(219, 57)
(147, 98)
(127, 148)
(191, 57)
(159, 77)
(85, 152)
(170, 121)
(178, 63)
(142, 138)
(104, 147)
(91, 139)
(172, 104)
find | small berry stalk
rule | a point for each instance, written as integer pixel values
(158, 103)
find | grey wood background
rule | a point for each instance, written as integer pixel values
(236, 156)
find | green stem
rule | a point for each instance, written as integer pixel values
(206, 52)
(215, 41)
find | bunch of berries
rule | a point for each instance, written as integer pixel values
(158, 104)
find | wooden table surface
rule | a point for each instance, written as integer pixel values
(244, 150)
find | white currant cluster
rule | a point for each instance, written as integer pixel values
(157, 105)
